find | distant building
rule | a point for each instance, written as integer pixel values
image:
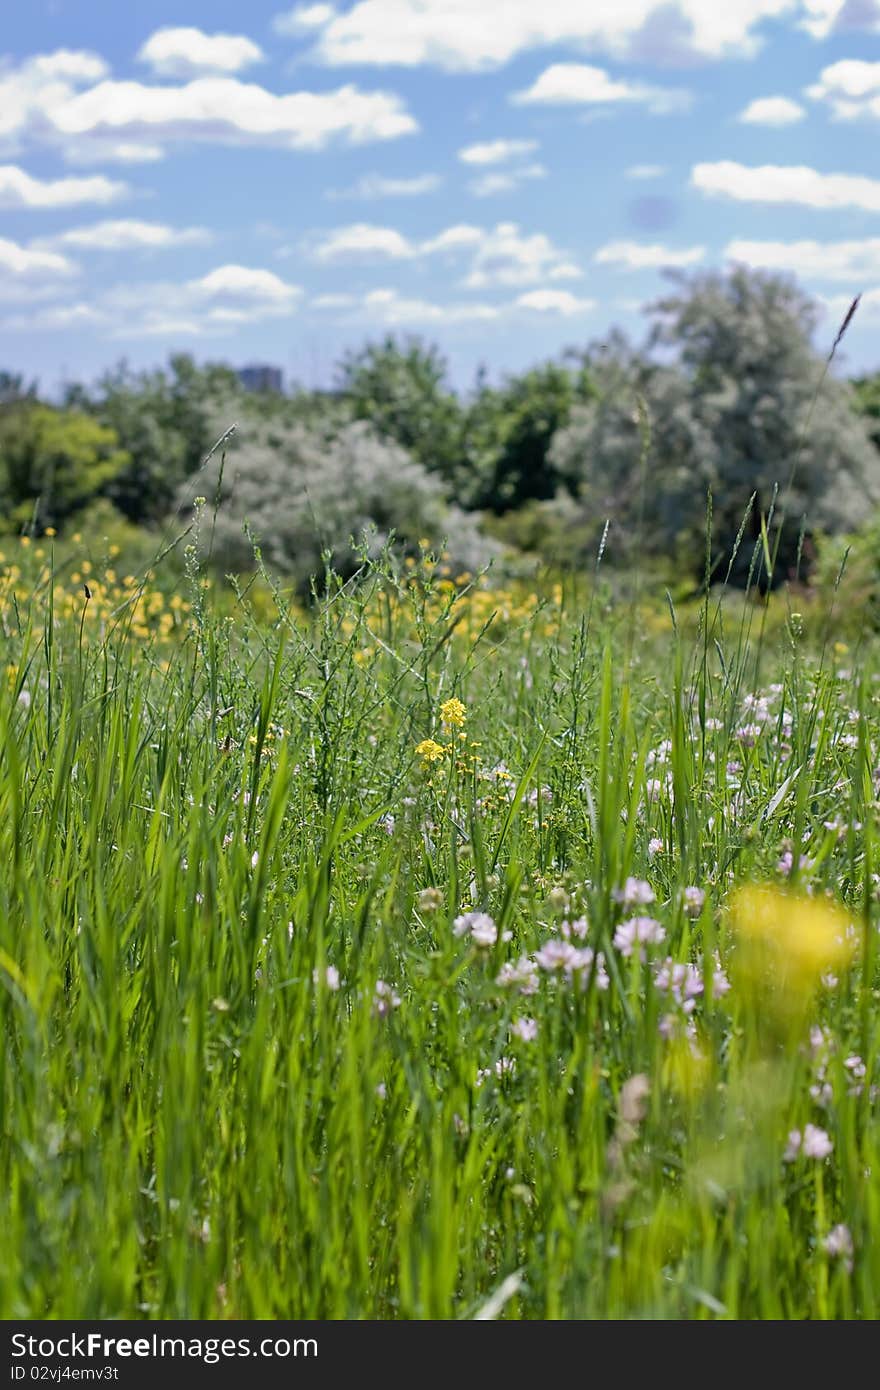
(261, 378)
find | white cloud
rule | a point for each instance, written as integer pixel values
(851, 88)
(853, 261)
(303, 19)
(505, 257)
(823, 17)
(28, 272)
(41, 80)
(224, 110)
(371, 186)
(129, 235)
(645, 171)
(459, 35)
(333, 301)
(20, 190)
(226, 298)
(555, 302)
(56, 319)
(580, 84)
(505, 181)
(798, 184)
(187, 52)
(363, 241)
(453, 239)
(634, 255)
(772, 111)
(501, 255)
(111, 152)
(869, 306)
(496, 151)
(389, 307)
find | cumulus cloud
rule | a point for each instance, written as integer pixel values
(852, 261)
(28, 272)
(459, 35)
(555, 302)
(851, 88)
(393, 309)
(19, 189)
(580, 84)
(39, 81)
(363, 241)
(636, 255)
(68, 101)
(772, 111)
(188, 52)
(501, 255)
(129, 235)
(372, 186)
(504, 256)
(797, 184)
(303, 19)
(505, 181)
(496, 151)
(826, 17)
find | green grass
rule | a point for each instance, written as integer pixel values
(195, 1124)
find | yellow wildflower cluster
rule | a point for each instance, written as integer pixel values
(430, 751)
(96, 597)
(453, 713)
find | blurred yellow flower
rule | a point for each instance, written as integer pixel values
(787, 941)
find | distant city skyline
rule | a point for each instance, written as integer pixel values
(504, 180)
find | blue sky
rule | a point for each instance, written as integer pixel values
(261, 183)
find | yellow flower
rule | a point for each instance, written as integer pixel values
(453, 713)
(429, 751)
(786, 942)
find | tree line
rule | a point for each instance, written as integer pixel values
(727, 404)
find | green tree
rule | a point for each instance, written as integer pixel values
(164, 421)
(728, 395)
(510, 430)
(53, 462)
(401, 389)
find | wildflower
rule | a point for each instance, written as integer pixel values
(682, 981)
(386, 823)
(381, 1090)
(694, 899)
(453, 713)
(816, 1142)
(655, 846)
(430, 751)
(478, 925)
(554, 955)
(385, 998)
(429, 900)
(638, 930)
(632, 1102)
(636, 892)
(255, 859)
(524, 974)
(839, 1245)
(787, 942)
(526, 1029)
(579, 928)
(505, 1066)
(329, 977)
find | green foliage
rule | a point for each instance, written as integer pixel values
(401, 390)
(732, 415)
(306, 494)
(52, 463)
(163, 420)
(510, 429)
(866, 398)
(255, 1061)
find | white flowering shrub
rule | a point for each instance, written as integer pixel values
(301, 494)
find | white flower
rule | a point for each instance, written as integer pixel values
(478, 925)
(636, 892)
(526, 1029)
(385, 998)
(330, 977)
(638, 930)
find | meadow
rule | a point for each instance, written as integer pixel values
(447, 949)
